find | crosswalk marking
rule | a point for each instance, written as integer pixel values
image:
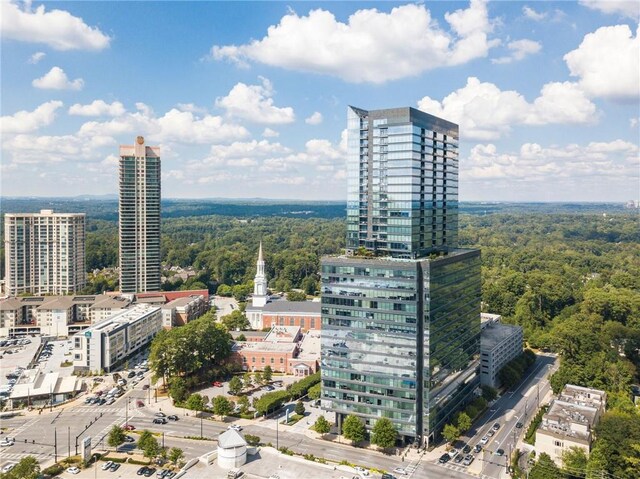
(20, 455)
(25, 426)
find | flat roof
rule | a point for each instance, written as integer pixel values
(291, 307)
(125, 317)
(35, 383)
(283, 334)
(495, 333)
(265, 347)
(183, 301)
(310, 346)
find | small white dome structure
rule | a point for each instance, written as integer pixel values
(232, 450)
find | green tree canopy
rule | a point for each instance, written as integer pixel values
(321, 425)
(116, 436)
(195, 402)
(176, 454)
(300, 409)
(464, 422)
(235, 385)
(26, 468)
(353, 429)
(236, 320)
(384, 433)
(222, 406)
(267, 373)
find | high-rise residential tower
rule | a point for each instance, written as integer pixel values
(401, 309)
(44, 252)
(139, 221)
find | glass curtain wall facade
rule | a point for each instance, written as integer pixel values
(402, 182)
(401, 309)
(139, 218)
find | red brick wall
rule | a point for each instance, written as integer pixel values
(305, 322)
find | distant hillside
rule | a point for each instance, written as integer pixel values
(106, 207)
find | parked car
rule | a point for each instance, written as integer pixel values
(129, 427)
(114, 467)
(466, 449)
(453, 453)
(477, 448)
(173, 417)
(139, 403)
(160, 414)
(519, 425)
(160, 420)
(145, 387)
(73, 470)
(490, 432)
(8, 467)
(444, 458)
(468, 459)
(106, 465)
(484, 440)
(217, 384)
(495, 426)
(149, 472)
(458, 458)
(131, 374)
(235, 427)
(499, 452)
(387, 476)
(142, 470)
(400, 470)
(129, 439)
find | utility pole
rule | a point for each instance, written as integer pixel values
(163, 440)
(277, 421)
(55, 444)
(201, 424)
(126, 420)
(69, 440)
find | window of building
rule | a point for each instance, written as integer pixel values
(253, 360)
(272, 360)
(262, 360)
(557, 443)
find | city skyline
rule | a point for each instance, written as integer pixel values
(248, 99)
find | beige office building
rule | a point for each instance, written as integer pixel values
(44, 252)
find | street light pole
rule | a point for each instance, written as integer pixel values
(277, 432)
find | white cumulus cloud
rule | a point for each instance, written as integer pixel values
(36, 57)
(269, 133)
(314, 119)
(532, 14)
(27, 121)
(626, 8)
(97, 108)
(372, 46)
(607, 63)
(519, 50)
(485, 112)
(56, 28)
(254, 103)
(56, 79)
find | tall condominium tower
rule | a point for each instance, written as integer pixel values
(139, 222)
(401, 309)
(44, 252)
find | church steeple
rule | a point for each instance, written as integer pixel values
(260, 296)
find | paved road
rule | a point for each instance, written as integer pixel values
(515, 406)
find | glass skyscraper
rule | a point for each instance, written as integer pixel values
(401, 309)
(139, 217)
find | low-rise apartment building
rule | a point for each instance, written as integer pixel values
(109, 343)
(182, 310)
(570, 421)
(499, 344)
(56, 315)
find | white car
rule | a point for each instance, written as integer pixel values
(73, 470)
(7, 441)
(400, 470)
(362, 470)
(106, 465)
(235, 427)
(8, 467)
(484, 440)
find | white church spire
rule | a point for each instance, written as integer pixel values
(260, 296)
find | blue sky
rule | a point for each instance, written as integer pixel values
(248, 99)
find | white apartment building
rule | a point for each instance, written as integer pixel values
(570, 421)
(182, 310)
(109, 343)
(44, 252)
(56, 315)
(499, 344)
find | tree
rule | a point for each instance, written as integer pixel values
(116, 436)
(384, 434)
(464, 422)
(488, 392)
(545, 468)
(267, 373)
(257, 377)
(296, 296)
(178, 389)
(450, 432)
(175, 455)
(224, 290)
(241, 337)
(235, 321)
(299, 409)
(247, 380)
(252, 440)
(27, 468)
(235, 385)
(222, 406)
(195, 402)
(322, 426)
(574, 459)
(243, 402)
(314, 392)
(148, 444)
(353, 429)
